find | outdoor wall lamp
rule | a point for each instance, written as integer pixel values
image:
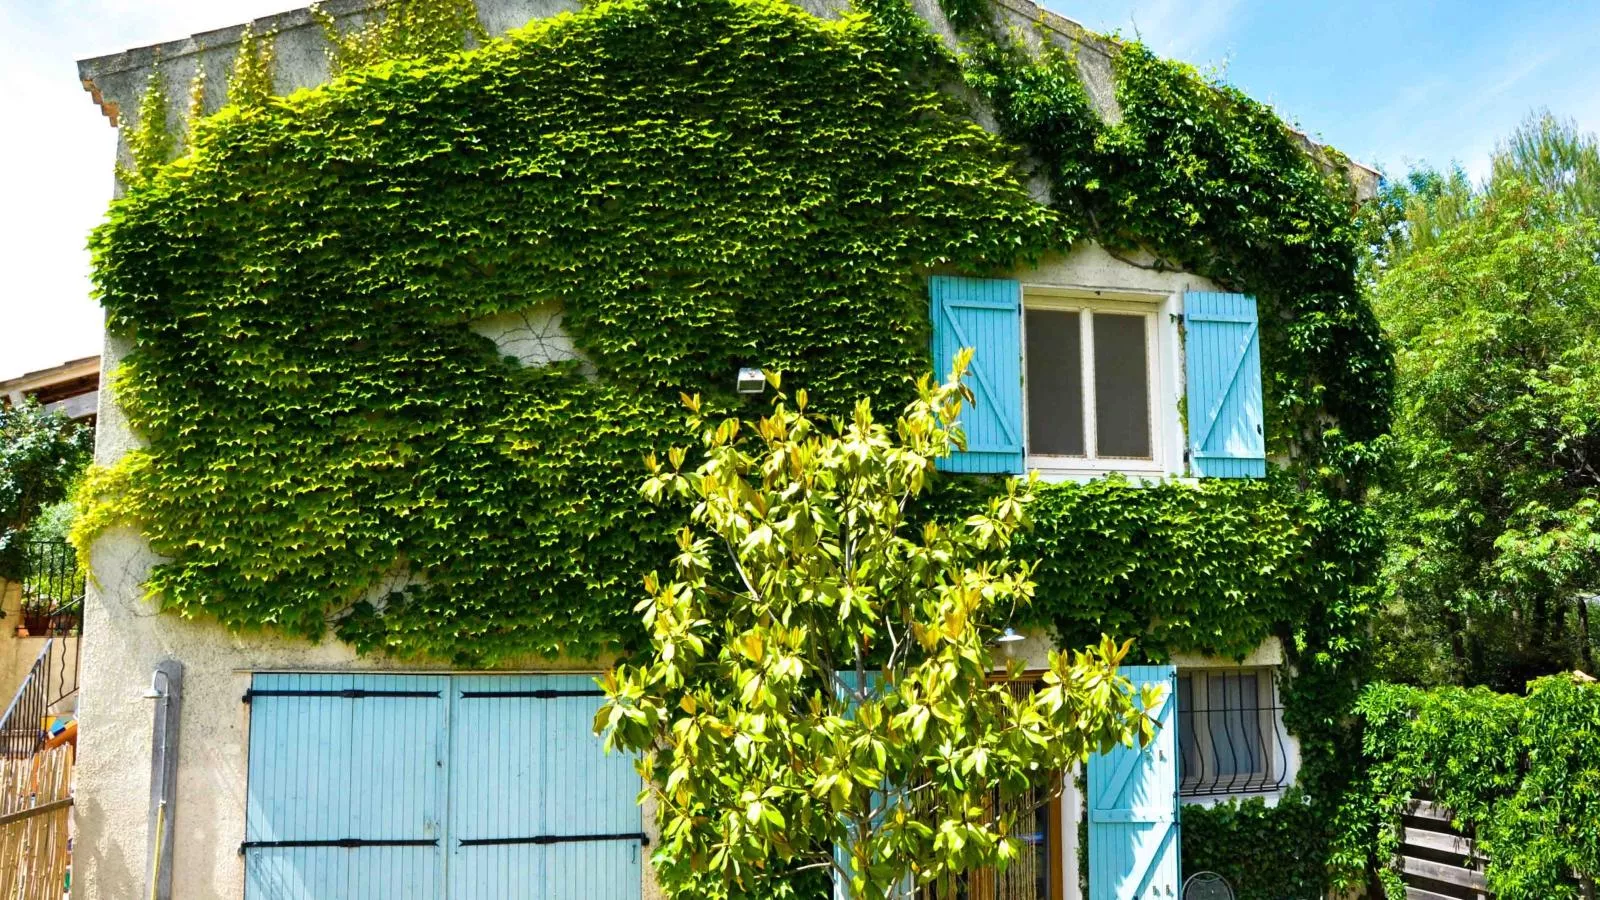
(152, 692)
(751, 381)
(1008, 641)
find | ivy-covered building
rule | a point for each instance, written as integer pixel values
(389, 328)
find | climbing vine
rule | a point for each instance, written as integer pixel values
(332, 444)
(1518, 772)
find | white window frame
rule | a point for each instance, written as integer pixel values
(1159, 310)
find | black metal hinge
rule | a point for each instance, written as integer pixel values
(541, 695)
(641, 837)
(347, 693)
(347, 843)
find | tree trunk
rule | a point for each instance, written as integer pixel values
(1586, 645)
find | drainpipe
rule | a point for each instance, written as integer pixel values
(166, 688)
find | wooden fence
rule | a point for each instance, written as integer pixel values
(1438, 862)
(35, 810)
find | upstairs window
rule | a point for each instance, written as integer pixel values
(1090, 378)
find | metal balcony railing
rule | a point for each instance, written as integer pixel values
(50, 686)
(52, 589)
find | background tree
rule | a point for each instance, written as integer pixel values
(1494, 559)
(821, 673)
(40, 455)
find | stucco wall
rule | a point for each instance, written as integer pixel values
(125, 636)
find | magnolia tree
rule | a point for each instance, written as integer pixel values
(821, 692)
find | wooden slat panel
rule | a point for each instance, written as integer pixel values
(1133, 839)
(1440, 841)
(1223, 358)
(1416, 893)
(1427, 809)
(1441, 872)
(985, 314)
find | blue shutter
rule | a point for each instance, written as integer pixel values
(845, 687)
(1133, 807)
(986, 315)
(525, 763)
(588, 792)
(1226, 422)
(330, 767)
(476, 767)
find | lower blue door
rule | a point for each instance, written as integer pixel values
(347, 790)
(1133, 806)
(436, 788)
(538, 810)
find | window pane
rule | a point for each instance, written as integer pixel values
(1192, 767)
(1236, 724)
(1055, 383)
(1122, 386)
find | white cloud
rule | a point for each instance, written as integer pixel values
(56, 161)
(1186, 29)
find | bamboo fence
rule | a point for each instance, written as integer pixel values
(35, 808)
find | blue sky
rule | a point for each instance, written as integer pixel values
(1389, 83)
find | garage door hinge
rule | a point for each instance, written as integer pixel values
(540, 695)
(347, 693)
(349, 843)
(639, 836)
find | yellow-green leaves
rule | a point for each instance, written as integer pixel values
(843, 692)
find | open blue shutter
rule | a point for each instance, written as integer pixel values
(1226, 422)
(1133, 807)
(985, 314)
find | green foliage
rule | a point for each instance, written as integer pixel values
(401, 29)
(1265, 852)
(800, 562)
(254, 65)
(1212, 182)
(1523, 772)
(40, 455)
(320, 416)
(1492, 510)
(323, 423)
(1214, 566)
(151, 142)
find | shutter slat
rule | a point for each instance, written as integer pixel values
(984, 314)
(1226, 412)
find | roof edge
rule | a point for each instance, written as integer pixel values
(1364, 177)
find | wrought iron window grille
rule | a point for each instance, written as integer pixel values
(1230, 732)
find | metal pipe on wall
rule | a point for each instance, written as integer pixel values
(166, 688)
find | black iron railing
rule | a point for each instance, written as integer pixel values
(52, 589)
(50, 686)
(1230, 732)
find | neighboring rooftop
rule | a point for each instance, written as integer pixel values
(72, 388)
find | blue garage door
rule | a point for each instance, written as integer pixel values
(423, 787)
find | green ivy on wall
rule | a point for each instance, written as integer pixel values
(323, 423)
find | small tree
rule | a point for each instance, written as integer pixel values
(40, 454)
(821, 674)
